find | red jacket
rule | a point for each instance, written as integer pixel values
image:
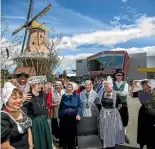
(78, 90)
(49, 101)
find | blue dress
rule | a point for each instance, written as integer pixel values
(69, 108)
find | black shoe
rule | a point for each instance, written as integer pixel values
(127, 140)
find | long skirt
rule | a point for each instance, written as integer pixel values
(124, 114)
(68, 132)
(42, 138)
(55, 127)
(146, 128)
(151, 131)
(111, 128)
(142, 130)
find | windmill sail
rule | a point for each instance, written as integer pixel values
(33, 19)
(28, 17)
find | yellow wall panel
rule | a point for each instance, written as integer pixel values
(146, 69)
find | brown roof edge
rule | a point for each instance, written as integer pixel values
(27, 70)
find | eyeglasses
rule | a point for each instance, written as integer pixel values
(119, 75)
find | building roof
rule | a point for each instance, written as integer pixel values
(39, 26)
(106, 52)
(29, 70)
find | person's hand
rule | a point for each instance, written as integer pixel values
(119, 107)
(54, 105)
(134, 83)
(131, 93)
(31, 147)
(27, 96)
(78, 117)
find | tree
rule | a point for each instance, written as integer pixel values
(5, 75)
(8, 49)
(64, 75)
(45, 63)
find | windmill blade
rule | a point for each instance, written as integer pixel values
(27, 24)
(33, 19)
(25, 35)
(19, 29)
(46, 9)
(27, 19)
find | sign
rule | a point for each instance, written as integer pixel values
(101, 72)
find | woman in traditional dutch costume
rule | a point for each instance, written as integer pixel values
(48, 89)
(37, 110)
(70, 111)
(110, 123)
(57, 95)
(89, 99)
(146, 128)
(15, 124)
(121, 87)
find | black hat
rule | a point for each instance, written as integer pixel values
(22, 74)
(102, 76)
(119, 71)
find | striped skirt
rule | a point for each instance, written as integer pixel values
(111, 128)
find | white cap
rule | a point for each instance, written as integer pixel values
(6, 93)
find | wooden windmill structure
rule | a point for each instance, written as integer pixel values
(34, 54)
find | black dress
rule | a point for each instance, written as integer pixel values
(15, 131)
(143, 134)
(37, 111)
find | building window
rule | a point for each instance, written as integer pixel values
(33, 43)
(41, 36)
(79, 61)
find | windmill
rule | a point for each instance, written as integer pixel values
(36, 54)
(29, 22)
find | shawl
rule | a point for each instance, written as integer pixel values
(92, 96)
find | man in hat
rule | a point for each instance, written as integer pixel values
(22, 80)
(100, 84)
(121, 87)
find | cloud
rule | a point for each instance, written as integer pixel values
(15, 17)
(69, 61)
(150, 50)
(124, 1)
(144, 27)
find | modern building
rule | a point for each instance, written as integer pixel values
(81, 67)
(151, 66)
(137, 60)
(135, 66)
(107, 62)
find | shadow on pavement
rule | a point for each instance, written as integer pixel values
(125, 147)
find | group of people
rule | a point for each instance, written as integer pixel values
(37, 113)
